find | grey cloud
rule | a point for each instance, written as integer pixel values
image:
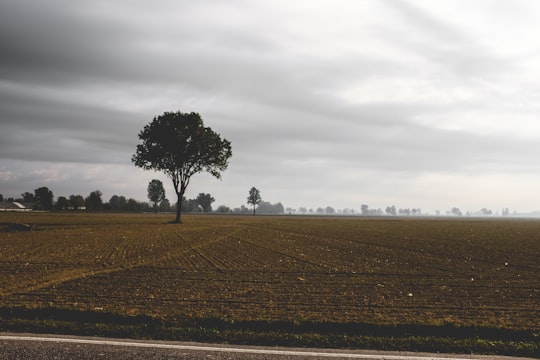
(64, 41)
(41, 128)
(80, 50)
(446, 45)
(78, 80)
(45, 42)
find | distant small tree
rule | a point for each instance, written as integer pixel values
(222, 209)
(1, 198)
(330, 210)
(364, 209)
(404, 212)
(44, 198)
(28, 197)
(93, 202)
(156, 192)
(190, 205)
(485, 212)
(205, 201)
(266, 207)
(117, 203)
(62, 203)
(391, 210)
(164, 205)
(254, 197)
(241, 210)
(76, 201)
(132, 205)
(455, 211)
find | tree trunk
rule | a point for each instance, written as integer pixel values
(178, 208)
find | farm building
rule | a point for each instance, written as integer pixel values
(14, 206)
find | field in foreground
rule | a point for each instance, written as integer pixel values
(288, 278)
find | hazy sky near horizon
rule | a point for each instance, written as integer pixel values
(420, 103)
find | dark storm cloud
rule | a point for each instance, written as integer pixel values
(51, 42)
(52, 54)
(38, 127)
(65, 41)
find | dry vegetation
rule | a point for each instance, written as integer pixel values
(462, 272)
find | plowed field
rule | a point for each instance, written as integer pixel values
(382, 271)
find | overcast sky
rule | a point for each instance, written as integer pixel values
(425, 104)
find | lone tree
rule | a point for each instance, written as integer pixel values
(254, 197)
(179, 145)
(156, 192)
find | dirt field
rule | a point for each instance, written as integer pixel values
(381, 271)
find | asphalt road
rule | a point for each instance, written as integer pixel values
(31, 347)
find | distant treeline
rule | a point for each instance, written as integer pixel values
(43, 199)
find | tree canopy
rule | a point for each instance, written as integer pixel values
(179, 145)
